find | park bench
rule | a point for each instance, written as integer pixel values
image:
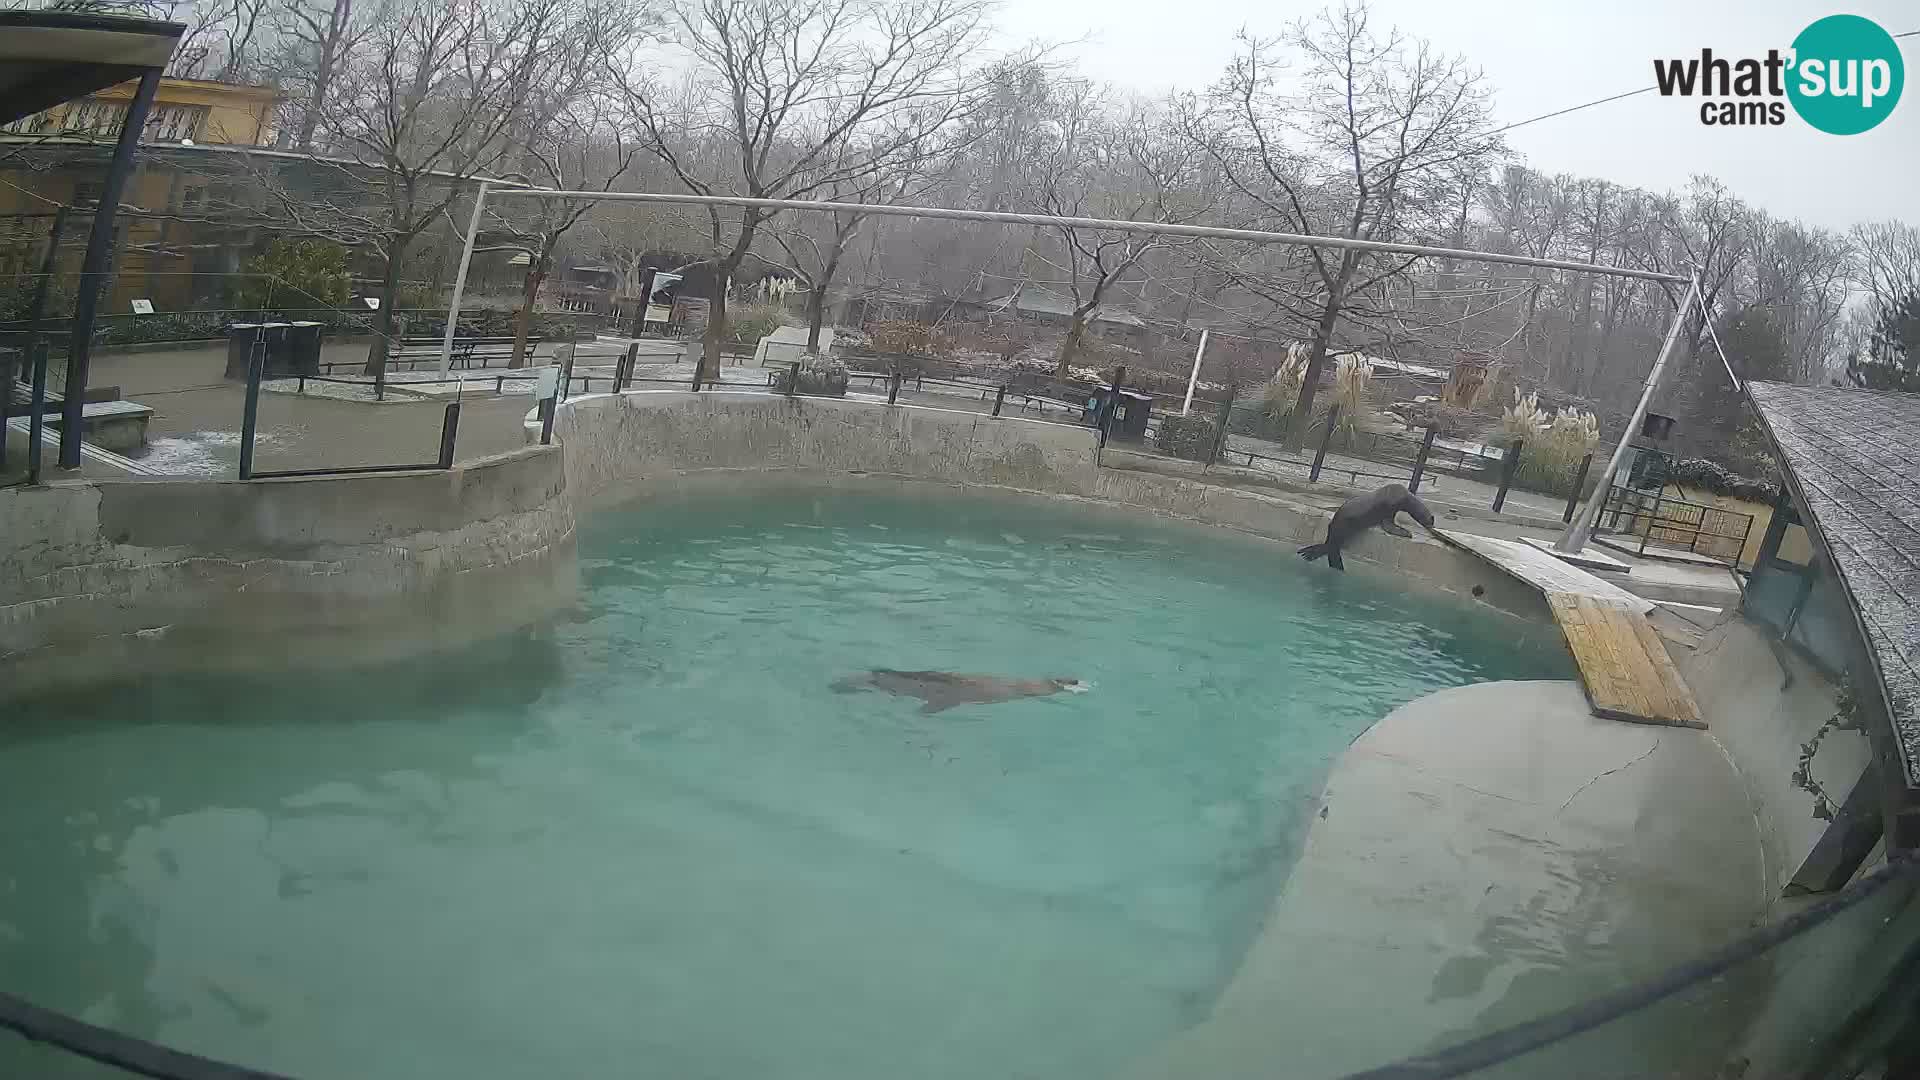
(467, 351)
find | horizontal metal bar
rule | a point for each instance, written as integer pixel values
(1158, 228)
(349, 470)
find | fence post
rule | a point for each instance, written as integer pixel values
(37, 401)
(999, 398)
(793, 379)
(1652, 517)
(1510, 467)
(1320, 455)
(1420, 459)
(6, 402)
(566, 375)
(1113, 403)
(250, 412)
(623, 371)
(1220, 423)
(1579, 481)
(449, 431)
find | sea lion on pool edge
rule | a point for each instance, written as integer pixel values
(941, 690)
(1363, 512)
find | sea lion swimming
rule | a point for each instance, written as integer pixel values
(1363, 512)
(941, 690)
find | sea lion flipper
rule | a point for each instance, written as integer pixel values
(1392, 529)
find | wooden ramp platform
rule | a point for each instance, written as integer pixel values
(1624, 666)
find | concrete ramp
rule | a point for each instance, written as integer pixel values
(1624, 665)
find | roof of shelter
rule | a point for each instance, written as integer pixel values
(1853, 461)
(47, 57)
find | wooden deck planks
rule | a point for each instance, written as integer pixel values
(1624, 665)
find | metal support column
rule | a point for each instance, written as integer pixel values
(1581, 530)
(94, 266)
(1420, 460)
(1193, 379)
(1507, 470)
(460, 280)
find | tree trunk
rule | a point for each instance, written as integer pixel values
(1316, 363)
(716, 329)
(383, 319)
(1070, 347)
(816, 315)
(523, 321)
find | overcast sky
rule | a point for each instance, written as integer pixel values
(1542, 55)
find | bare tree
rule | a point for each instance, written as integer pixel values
(804, 97)
(420, 107)
(1096, 161)
(1889, 262)
(569, 137)
(1363, 150)
(317, 37)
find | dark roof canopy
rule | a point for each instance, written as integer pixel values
(47, 57)
(1853, 460)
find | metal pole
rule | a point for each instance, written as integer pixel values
(1581, 530)
(793, 378)
(37, 420)
(1220, 426)
(1050, 221)
(893, 388)
(1579, 481)
(35, 315)
(1320, 456)
(1193, 379)
(93, 269)
(1420, 459)
(460, 280)
(999, 398)
(7, 379)
(1506, 474)
(250, 412)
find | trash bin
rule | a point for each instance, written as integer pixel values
(240, 339)
(1129, 422)
(276, 335)
(303, 349)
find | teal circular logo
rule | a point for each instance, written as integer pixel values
(1846, 76)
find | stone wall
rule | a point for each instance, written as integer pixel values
(115, 579)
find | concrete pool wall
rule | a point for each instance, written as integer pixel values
(641, 444)
(108, 580)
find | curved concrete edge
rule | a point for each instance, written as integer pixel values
(644, 444)
(1771, 709)
(108, 580)
(1486, 855)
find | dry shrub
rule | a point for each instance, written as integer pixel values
(1283, 390)
(902, 336)
(1352, 378)
(1554, 446)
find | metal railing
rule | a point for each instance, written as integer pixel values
(1662, 523)
(250, 423)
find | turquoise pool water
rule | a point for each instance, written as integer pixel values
(650, 841)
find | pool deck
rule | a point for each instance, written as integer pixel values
(1486, 855)
(1624, 665)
